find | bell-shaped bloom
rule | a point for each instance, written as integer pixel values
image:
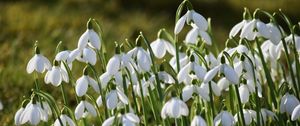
(183, 60)
(38, 63)
(33, 113)
(82, 85)
(91, 38)
(17, 117)
(198, 121)
(296, 113)
(244, 93)
(275, 34)
(83, 109)
(249, 116)
(86, 55)
(161, 46)
(191, 16)
(188, 91)
(225, 69)
(191, 67)
(174, 108)
(224, 118)
(99, 101)
(118, 62)
(211, 60)
(165, 77)
(195, 33)
(215, 88)
(128, 119)
(288, 103)
(289, 40)
(63, 57)
(237, 28)
(114, 97)
(66, 121)
(255, 28)
(142, 57)
(271, 51)
(56, 75)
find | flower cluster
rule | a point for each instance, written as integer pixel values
(247, 83)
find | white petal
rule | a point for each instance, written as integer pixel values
(109, 121)
(104, 79)
(248, 29)
(263, 29)
(132, 117)
(179, 24)
(94, 39)
(199, 71)
(79, 110)
(81, 86)
(231, 75)
(17, 117)
(122, 97)
(183, 73)
(192, 36)
(94, 84)
(35, 116)
(113, 65)
(83, 40)
(215, 88)
(90, 108)
(170, 48)
(30, 65)
(200, 21)
(159, 49)
(235, 29)
(89, 56)
(187, 92)
(296, 113)
(211, 74)
(205, 37)
(55, 76)
(112, 99)
(62, 56)
(174, 109)
(244, 93)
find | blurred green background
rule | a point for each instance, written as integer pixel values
(22, 22)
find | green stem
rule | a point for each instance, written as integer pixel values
(211, 100)
(240, 104)
(64, 94)
(267, 74)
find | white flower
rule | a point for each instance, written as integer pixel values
(237, 28)
(225, 69)
(191, 67)
(288, 103)
(33, 113)
(56, 75)
(62, 56)
(275, 34)
(118, 62)
(249, 116)
(289, 40)
(99, 101)
(114, 97)
(296, 113)
(83, 109)
(161, 46)
(224, 118)
(89, 37)
(86, 55)
(142, 58)
(188, 91)
(249, 33)
(38, 63)
(165, 77)
(82, 85)
(183, 60)
(193, 34)
(66, 121)
(128, 119)
(271, 51)
(17, 117)
(193, 16)
(244, 93)
(174, 108)
(145, 85)
(198, 121)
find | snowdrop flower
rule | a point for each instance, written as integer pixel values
(83, 109)
(211, 60)
(56, 75)
(66, 121)
(89, 37)
(17, 117)
(225, 69)
(249, 116)
(141, 56)
(174, 108)
(189, 90)
(289, 39)
(224, 118)
(160, 46)
(249, 33)
(296, 113)
(33, 113)
(191, 16)
(83, 82)
(86, 55)
(63, 57)
(237, 28)
(119, 61)
(198, 121)
(275, 34)
(191, 67)
(128, 119)
(244, 93)
(271, 51)
(193, 35)
(114, 97)
(163, 76)
(183, 60)
(288, 103)
(38, 63)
